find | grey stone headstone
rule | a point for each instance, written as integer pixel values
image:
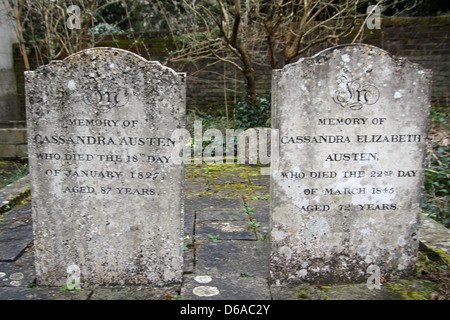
(346, 190)
(107, 192)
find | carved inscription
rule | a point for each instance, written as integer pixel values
(356, 94)
(382, 178)
(105, 96)
(95, 167)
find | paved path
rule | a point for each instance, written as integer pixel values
(226, 227)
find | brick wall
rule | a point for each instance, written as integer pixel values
(9, 103)
(13, 143)
(424, 40)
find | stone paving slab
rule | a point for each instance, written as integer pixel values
(232, 257)
(19, 273)
(188, 260)
(135, 293)
(16, 232)
(232, 178)
(224, 230)
(261, 180)
(221, 215)
(42, 294)
(434, 234)
(357, 291)
(193, 188)
(189, 220)
(224, 287)
(216, 203)
(260, 213)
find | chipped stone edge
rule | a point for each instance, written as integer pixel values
(396, 59)
(54, 63)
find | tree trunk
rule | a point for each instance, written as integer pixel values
(23, 49)
(251, 85)
(17, 14)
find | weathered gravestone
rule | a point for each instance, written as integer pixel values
(107, 193)
(346, 191)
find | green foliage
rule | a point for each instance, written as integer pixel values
(302, 295)
(254, 224)
(248, 210)
(437, 173)
(126, 15)
(213, 238)
(247, 275)
(74, 286)
(104, 28)
(247, 115)
(185, 244)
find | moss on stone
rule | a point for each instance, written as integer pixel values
(413, 289)
(213, 176)
(15, 201)
(430, 261)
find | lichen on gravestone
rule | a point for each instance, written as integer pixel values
(107, 192)
(346, 188)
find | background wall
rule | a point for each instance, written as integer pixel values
(424, 40)
(9, 103)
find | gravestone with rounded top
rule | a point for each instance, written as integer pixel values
(347, 186)
(107, 194)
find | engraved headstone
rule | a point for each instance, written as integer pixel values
(346, 189)
(107, 194)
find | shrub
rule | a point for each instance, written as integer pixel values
(248, 115)
(437, 173)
